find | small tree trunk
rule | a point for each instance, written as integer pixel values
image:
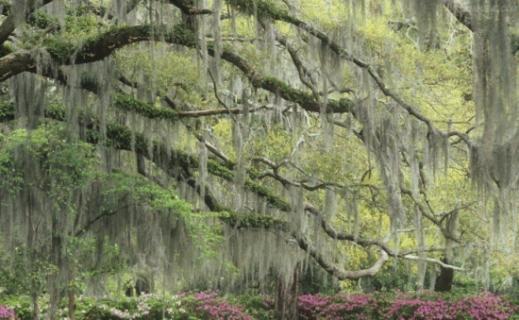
(32, 257)
(71, 303)
(55, 293)
(35, 306)
(71, 290)
(286, 298)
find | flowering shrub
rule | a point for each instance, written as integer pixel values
(335, 308)
(211, 307)
(145, 307)
(6, 313)
(203, 305)
(310, 306)
(414, 309)
(259, 307)
(351, 307)
(483, 307)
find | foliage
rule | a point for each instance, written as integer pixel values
(485, 306)
(210, 305)
(402, 307)
(337, 307)
(259, 307)
(167, 202)
(62, 165)
(202, 305)
(16, 277)
(21, 305)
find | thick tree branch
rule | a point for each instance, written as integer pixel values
(102, 46)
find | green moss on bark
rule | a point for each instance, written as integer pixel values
(128, 103)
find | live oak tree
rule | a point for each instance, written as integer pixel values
(220, 143)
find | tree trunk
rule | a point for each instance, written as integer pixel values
(55, 279)
(32, 256)
(446, 277)
(286, 297)
(444, 280)
(71, 293)
(71, 303)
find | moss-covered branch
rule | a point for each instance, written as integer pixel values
(100, 47)
(174, 161)
(120, 137)
(128, 103)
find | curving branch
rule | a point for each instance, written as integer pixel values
(338, 273)
(275, 167)
(369, 242)
(432, 260)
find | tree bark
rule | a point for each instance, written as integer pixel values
(71, 303)
(35, 306)
(71, 294)
(286, 298)
(56, 258)
(31, 253)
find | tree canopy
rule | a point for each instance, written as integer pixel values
(222, 144)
